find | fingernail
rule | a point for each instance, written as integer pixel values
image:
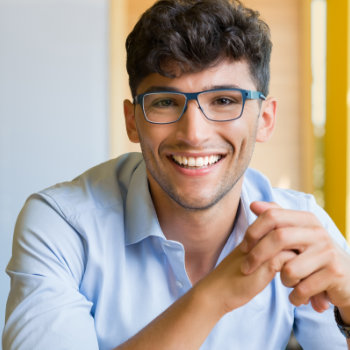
(245, 267)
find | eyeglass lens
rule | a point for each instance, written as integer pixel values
(216, 105)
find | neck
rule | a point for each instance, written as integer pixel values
(203, 233)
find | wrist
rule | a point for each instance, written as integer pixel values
(211, 298)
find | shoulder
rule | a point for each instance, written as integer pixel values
(79, 208)
(63, 220)
(257, 187)
(99, 188)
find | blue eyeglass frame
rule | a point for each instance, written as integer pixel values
(246, 95)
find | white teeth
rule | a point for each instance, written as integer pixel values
(178, 159)
(197, 161)
(191, 161)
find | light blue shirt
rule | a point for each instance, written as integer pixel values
(91, 267)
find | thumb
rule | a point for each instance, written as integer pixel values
(259, 207)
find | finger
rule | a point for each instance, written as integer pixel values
(266, 272)
(276, 263)
(313, 285)
(259, 227)
(311, 260)
(273, 218)
(286, 238)
(320, 302)
(258, 207)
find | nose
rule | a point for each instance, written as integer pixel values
(193, 128)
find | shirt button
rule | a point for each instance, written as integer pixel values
(179, 284)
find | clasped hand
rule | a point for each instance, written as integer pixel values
(316, 268)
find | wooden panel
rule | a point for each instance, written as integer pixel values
(120, 26)
(282, 159)
(135, 10)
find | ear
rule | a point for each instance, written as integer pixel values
(267, 120)
(130, 122)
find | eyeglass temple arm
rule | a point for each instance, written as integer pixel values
(255, 95)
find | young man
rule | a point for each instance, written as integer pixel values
(182, 247)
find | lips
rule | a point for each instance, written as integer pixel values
(196, 162)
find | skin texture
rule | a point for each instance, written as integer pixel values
(319, 272)
(196, 136)
(191, 206)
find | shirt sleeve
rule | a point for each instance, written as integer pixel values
(45, 309)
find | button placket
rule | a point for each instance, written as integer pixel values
(175, 254)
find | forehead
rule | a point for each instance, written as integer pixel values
(226, 73)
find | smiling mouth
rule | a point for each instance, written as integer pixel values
(196, 162)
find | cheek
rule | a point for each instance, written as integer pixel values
(242, 137)
(151, 136)
(240, 132)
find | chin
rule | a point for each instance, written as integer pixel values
(197, 204)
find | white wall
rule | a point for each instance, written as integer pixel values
(53, 101)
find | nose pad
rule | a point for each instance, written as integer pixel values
(198, 105)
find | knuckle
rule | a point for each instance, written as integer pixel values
(290, 274)
(288, 270)
(333, 259)
(312, 219)
(302, 291)
(285, 281)
(253, 257)
(332, 254)
(271, 214)
(322, 234)
(336, 270)
(279, 235)
(249, 235)
(295, 299)
(325, 248)
(274, 265)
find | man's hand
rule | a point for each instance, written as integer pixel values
(320, 269)
(188, 321)
(233, 288)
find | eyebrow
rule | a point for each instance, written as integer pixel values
(208, 87)
(161, 88)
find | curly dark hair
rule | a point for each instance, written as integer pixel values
(197, 34)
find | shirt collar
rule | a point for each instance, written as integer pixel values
(141, 219)
(247, 197)
(245, 217)
(140, 216)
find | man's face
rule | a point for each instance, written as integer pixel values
(220, 150)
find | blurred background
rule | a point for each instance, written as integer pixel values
(63, 80)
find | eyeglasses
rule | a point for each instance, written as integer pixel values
(221, 105)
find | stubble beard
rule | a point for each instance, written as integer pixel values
(226, 184)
